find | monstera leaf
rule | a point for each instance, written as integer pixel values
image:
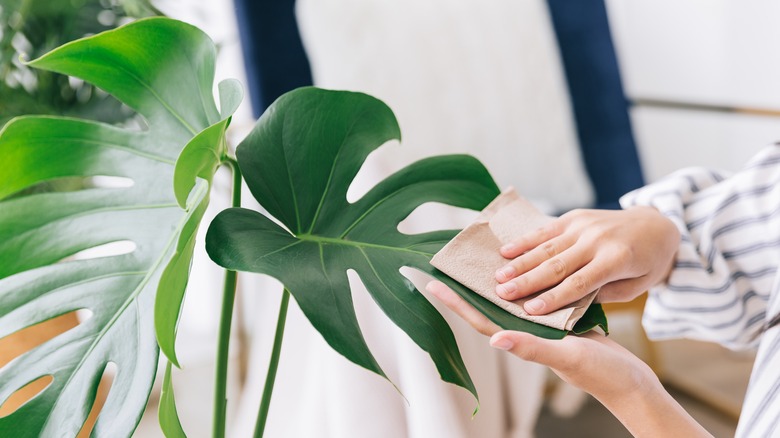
(299, 162)
(164, 70)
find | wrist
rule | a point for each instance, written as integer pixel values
(650, 411)
(667, 235)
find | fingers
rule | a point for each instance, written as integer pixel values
(471, 315)
(547, 274)
(575, 286)
(532, 240)
(533, 258)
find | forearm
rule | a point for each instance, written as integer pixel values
(652, 412)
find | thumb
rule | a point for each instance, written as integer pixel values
(552, 353)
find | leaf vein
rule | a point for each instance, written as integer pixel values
(332, 171)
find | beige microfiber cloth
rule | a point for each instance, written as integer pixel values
(473, 257)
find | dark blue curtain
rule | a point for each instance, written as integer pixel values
(273, 51)
(276, 63)
(599, 104)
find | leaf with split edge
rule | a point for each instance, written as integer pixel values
(298, 162)
(163, 69)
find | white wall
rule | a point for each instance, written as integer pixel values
(718, 53)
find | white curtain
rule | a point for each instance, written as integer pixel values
(482, 78)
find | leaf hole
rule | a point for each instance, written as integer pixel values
(24, 340)
(108, 182)
(433, 216)
(100, 394)
(135, 123)
(83, 315)
(68, 184)
(59, 185)
(110, 249)
(379, 164)
(24, 394)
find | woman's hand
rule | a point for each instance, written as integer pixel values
(590, 362)
(619, 380)
(622, 252)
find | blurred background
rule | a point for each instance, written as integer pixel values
(573, 102)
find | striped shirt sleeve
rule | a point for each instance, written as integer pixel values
(726, 265)
(760, 415)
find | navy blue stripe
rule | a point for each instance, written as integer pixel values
(759, 317)
(734, 322)
(716, 176)
(746, 221)
(767, 162)
(759, 412)
(692, 183)
(773, 427)
(751, 248)
(682, 332)
(693, 187)
(773, 350)
(742, 300)
(688, 264)
(728, 202)
(728, 255)
(736, 275)
(710, 257)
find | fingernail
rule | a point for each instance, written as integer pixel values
(534, 306)
(506, 288)
(505, 273)
(508, 247)
(502, 344)
(433, 291)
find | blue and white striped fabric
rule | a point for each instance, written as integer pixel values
(725, 286)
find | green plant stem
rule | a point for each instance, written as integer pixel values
(225, 322)
(270, 378)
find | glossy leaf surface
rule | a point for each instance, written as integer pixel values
(164, 70)
(299, 162)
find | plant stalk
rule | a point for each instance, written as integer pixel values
(225, 322)
(270, 378)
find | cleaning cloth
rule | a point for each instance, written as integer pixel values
(472, 257)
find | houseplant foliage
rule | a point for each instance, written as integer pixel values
(164, 70)
(299, 161)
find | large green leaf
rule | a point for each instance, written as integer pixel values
(299, 162)
(164, 70)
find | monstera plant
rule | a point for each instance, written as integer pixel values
(298, 162)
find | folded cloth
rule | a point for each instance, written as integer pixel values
(473, 257)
